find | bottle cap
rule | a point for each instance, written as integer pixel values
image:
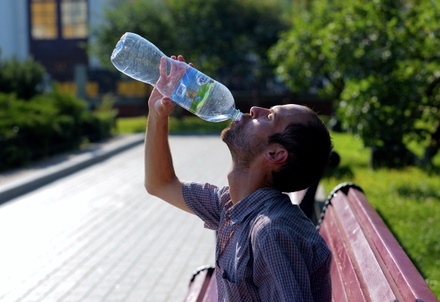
(236, 117)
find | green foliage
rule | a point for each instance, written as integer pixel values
(46, 125)
(25, 78)
(378, 60)
(224, 38)
(407, 199)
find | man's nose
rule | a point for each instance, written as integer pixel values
(256, 112)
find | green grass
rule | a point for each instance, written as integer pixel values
(130, 125)
(190, 124)
(408, 199)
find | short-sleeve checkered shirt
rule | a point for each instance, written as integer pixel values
(267, 249)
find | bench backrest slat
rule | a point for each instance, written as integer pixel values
(345, 283)
(368, 262)
(405, 279)
(353, 244)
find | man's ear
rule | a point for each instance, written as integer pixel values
(276, 154)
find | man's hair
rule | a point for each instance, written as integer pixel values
(309, 146)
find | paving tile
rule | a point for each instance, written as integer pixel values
(96, 235)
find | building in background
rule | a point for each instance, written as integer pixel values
(56, 34)
(14, 29)
(53, 32)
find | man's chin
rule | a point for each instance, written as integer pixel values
(234, 124)
(231, 134)
(223, 133)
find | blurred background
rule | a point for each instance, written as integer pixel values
(371, 69)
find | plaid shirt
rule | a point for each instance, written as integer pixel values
(267, 249)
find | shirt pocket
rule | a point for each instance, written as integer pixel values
(236, 267)
(239, 290)
(237, 281)
(234, 277)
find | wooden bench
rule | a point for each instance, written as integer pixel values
(202, 286)
(368, 262)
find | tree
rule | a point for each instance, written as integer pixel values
(150, 19)
(378, 60)
(226, 39)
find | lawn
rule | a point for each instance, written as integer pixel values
(407, 199)
(190, 124)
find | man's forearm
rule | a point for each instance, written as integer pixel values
(158, 161)
(160, 177)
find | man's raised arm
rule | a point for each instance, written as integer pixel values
(160, 177)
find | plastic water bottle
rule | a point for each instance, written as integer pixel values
(185, 85)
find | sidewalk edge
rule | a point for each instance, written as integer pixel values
(17, 190)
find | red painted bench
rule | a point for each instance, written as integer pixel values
(368, 262)
(202, 287)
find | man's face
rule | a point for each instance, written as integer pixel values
(249, 137)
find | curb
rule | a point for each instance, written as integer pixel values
(88, 157)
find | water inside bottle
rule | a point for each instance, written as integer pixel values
(235, 116)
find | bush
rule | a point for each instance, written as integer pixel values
(98, 126)
(46, 125)
(25, 78)
(34, 124)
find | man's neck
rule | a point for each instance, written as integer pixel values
(244, 182)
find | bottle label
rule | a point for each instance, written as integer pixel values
(193, 90)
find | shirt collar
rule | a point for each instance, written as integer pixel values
(251, 203)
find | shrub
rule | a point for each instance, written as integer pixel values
(25, 78)
(46, 125)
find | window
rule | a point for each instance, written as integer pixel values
(46, 24)
(44, 19)
(74, 19)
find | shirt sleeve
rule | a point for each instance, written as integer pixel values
(204, 200)
(280, 271)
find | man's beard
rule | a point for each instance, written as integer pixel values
(241, 143)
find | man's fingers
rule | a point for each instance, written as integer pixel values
(167, 105)
(163, 67)
(182, 59)
(166, 101)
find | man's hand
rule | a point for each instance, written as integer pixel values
(157, 103)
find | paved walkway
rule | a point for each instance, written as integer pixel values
(83, 232)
